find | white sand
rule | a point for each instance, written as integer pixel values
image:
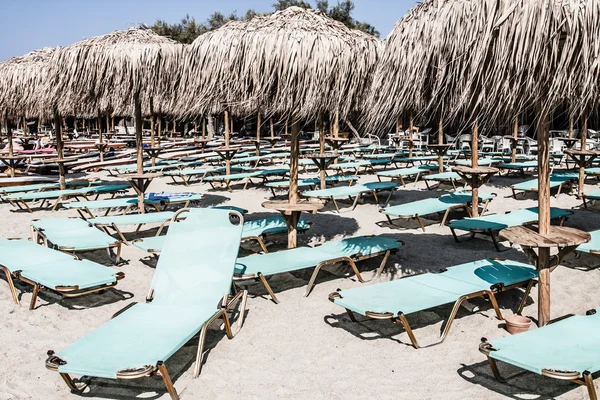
(304, 348)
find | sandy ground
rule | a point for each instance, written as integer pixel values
(305, 348)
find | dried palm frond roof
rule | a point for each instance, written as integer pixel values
(294, 63)
(463, 60)
(21, 83)
(102, 74)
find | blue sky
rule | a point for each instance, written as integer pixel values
(32, 24)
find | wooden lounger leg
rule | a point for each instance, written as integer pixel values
(356, 198)
(383, 263)
(262, 244)
(525, 296)
(495, 240)
(495, 370)
(69, 381)
(268, 287)
(167, 379)
(227, 324)
(11, 284)
(444, 219)
(34, 295)
(420, 222)
(589, 383)
(336, 205)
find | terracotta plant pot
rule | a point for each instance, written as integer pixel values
(516, 323)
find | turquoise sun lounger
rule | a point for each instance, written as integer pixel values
(355, 191)
(20, 199)
(593, 246)
(566, 350)
(593, 196)
(189, 291)
(53, 270)
(116, 221)
(158, 201)
(445, 204)
(73, 235)
(450, 177)
(492, 224)
(347, 251)
(396, 299)
(519, 166)
(402, 173)
(38, 187)
(259, 230)
(557, 180)
(246, 176)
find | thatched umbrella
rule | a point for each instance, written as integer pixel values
(294, 64)
(489, 61)
(21, 83)
(120, 73)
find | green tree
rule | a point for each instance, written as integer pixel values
(187, 30)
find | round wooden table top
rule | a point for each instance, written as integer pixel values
(286, 207)
(559, 236)
(320, 155)
(582, 152)
(143, 175)
(463, 169)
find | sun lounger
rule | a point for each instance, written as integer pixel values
(417, 159)
(115, 221)
(312, 183)
(402, 173)
(259, 230)
(189, 291)
(347, 251)
(566, 349)
(450, 177)
(396, 299)
(354, 166)
(73, 235)
(48, 269)
(593, 196)
(556, 181)
(187, 174)
(445, 204)
(520, 167)
(355, 191)
(481, 162)
(20, 199)
(245, 176)
(492, 224)
(593, 246)
(4, 191)
(158, 201)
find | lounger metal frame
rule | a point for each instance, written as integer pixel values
(399, 316)
(583, 378)
(351, 261)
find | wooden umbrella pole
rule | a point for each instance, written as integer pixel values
(584, 128)
(60, 150)
(151, 123)
(107, 122)
(544, 214)
(139, 140)
(570, 126)
(336, 126)
(159, 129)
(258, 123)
(25, 128)
(203, 128)
(397, 127)
(9, 138)
(441, 141)
(271, 127)
(99, 123)
(322, 173)
(294, 155)
(410, 133)
(227, 161)
(112, 124)
(474, 163)
(515, 137)
(196, 127)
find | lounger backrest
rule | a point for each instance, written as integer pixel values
(198, 257)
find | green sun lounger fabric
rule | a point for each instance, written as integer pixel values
(193, 275)
(43, 186)
(306, 257)
(519, 165)
(593, 246)
(74, 233)
(432, 206)
(595, 195)
(314, 181)
(444, 176)
(55, 194)
(123, 202)
(486, 161)
(555, 181)
(496, 222)
(404, 172)
(345, 191)
(52, 268)
(256, 228)
(422, 292)
(567, 345)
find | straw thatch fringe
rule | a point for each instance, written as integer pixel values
(21, 84)
(294, 64)
(103, 73)
(488, 60)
